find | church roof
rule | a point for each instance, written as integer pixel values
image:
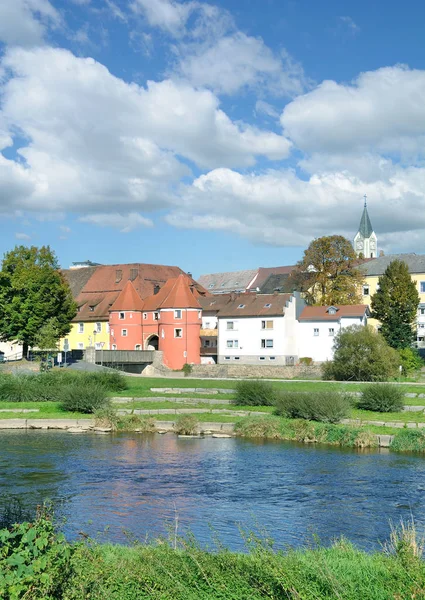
(365, 228)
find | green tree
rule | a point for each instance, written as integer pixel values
(32, 292)
(395, 305)
(328, 272)
(361, 354)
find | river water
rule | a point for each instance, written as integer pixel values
(149, 483)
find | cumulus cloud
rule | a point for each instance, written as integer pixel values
(26, 22)
(124, 222)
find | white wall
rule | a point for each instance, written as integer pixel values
(210, 321)
(10, 349)
(320, 347)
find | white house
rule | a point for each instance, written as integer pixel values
(318, 326)
(259, 329)
(11, 350)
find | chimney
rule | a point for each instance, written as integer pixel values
(189, 274)
(156, 289)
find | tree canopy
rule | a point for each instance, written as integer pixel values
(33, 292)
(395, 304)
(361, 354)
(328, 272)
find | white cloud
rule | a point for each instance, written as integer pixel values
(166, 14)
(26, 22)
(22, 236)
(124, 222)
(264, 108)
(381, 111)
(349, 24)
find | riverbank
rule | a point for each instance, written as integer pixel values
(38, 563)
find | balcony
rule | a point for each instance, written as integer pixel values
(211, 351)
(209, 332)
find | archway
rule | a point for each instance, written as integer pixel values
(152, 343)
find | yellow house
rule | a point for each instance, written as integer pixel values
(375, 268)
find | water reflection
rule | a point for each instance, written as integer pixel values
(137, 482)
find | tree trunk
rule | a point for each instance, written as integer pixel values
(25, 350)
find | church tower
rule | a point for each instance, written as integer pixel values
(365, 240)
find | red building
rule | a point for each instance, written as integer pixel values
(169, 320)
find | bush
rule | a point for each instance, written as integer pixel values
(106, 416)
(306, 360)
(18, 388)
(410, 360)
(255, 393)
(326, 406)
(187, 369)
(84, 397)
(381, 397)
(361, 354)
(409, 440)
(137, 423)
(186, 425)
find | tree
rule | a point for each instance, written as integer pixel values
(32, 292)
(328, 273)
(361, 354)
(395, 304)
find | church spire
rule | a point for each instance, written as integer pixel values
(365, 242)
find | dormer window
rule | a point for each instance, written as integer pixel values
(332, 310)
(241, 306)
(267, 306)
(91, 308)
(211, 285)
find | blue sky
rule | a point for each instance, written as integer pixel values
(212, 135)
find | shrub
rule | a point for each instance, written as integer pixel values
(18, 388)
(259, 427)
(410, 360)
(137, 422)
(186, 425)
(381, 397)
(306, 360)
(106, 416)
(409, 440)
(255, 392)
(324, 406)
(187, 369)
(84, 397)
(361, 354)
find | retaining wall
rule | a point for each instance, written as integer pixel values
(257, 371)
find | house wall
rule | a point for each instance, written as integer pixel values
(10, 349)
(178, 351)
(249, 333)
(131, 324)
(80, 341)
(320, 347)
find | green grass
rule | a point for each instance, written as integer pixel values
(46, 410)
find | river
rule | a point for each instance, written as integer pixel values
(106, 484)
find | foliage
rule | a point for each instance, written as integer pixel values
(84, 397)
(405, 542)
(34, 560)
(327, 407)
(409, 440)
(187, 369)
(361, 354)
(381, 397)
(328, 273)
(306, 360)
(33, 291)
(186, 425)
(138, 423)
(410, 360)
(107, 417)
(395, 305)
(254, 392)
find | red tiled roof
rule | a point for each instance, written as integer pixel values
(320, 313)
(179, 292)
(128, 299)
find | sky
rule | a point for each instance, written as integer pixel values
(215, 136)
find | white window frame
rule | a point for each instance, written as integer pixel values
(80, 327)
(124, 334)
(266, 343)
(331, 331)
(114, 346)
(80, 346)
(156, 316)
(230, 325)
(98, 327)
(121, 316)
(422, 311)
(264, 324)
(232, 343)
(178, 313)
(181, 332)
(207, 324)
(108, 329)
(138, 347)
(145, 316)
(316, 332)
(366, 290)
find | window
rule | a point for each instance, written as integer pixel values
(232, 343)
(145, 316)
(332, 310)
(156, 316)
(227, 358)
(266, 324)
(80, 346)
(98, 327)
(267, 306)
(421, 325)
(230, 325)
(241, 306)
(199, 314)
(316, 331)
(262, 357)
(211, 285)
(422, 287)
(114, 346)
(207, 325)
(80, 327)
(124, 332)
(331, 331)
(107, 328)
(91, 308)
(178, 333)
(206, 343)
(422, 311)
(121, 315)
(267, 343)
(272, 358)
(236, 357)
(366, 290)
(178, 314)
(137, 347)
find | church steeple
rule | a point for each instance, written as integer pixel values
(365, 241)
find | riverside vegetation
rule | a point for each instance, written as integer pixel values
(37, 562)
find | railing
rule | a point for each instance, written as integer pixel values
(13, 357)
(124, 356)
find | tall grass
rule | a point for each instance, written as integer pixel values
(325, 406)
(409, 440)
(255, 392)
